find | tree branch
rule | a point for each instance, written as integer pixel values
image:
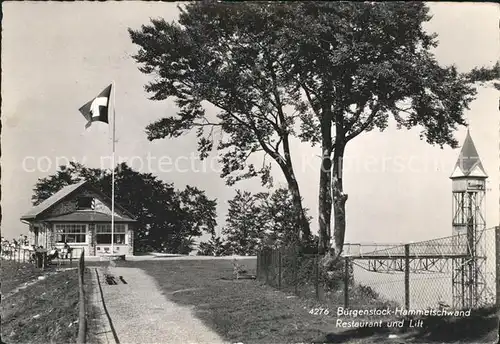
(357, 115)
(308, 93)
(363, 126)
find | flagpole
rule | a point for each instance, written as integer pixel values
(113, 175)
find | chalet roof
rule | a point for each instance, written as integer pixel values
(55, 198)
(88, 216)
(61, 195)
(468, 163)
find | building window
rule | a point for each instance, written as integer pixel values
(71, 233)
(84, 203)
(103, 233)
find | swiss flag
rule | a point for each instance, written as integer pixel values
(97, 109)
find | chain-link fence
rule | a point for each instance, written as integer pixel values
(458, 272)
(291, 271)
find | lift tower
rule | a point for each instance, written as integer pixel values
(468, 190)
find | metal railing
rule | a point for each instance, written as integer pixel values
(41, 258)
(82, 319)
(421, 275)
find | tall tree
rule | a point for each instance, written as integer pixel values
(244, 230)
(358, 65)
(277, 217)
(197, 216)
(167, 219)
(267, 218)
(214, 247)
(226, 58)
(46, 187)
(323, 71)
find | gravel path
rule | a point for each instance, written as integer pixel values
(141, 314)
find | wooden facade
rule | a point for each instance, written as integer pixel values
(80, 215)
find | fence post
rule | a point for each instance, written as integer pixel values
(279, 268)
(295, 269)
(316, 277)
(257, 269)
(407, 276)
(497, 258)
(81, 315)
(497, 251)
(266, 255)
(346, 282)
(273, 264)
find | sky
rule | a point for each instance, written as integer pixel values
(56, 56)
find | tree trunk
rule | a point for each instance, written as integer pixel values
(325, 202)
(339, 199)
(325, 176)
(293, 186)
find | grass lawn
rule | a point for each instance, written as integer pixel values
(45, 312)
(250, 312)
(14, 274)
(243, 310)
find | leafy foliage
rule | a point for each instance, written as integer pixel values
(278, 216)
(244, 230)
(214, 247)
(321, 71)
(485, 74)
(361, 62)
(265, 219)
(168, 219)
(225, 56)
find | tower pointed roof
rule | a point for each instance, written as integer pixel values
(468, 163)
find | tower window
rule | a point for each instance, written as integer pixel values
(84, 203)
